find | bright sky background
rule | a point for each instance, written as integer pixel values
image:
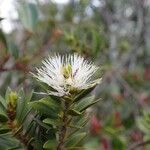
(8, 11)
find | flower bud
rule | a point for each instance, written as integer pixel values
(13, 99)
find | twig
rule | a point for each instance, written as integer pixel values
(138, 144)
(63, 129)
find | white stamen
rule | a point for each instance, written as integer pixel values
(78, 77)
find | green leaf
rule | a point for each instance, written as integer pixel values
(143, 125)
(117, 143)
(83, 93)
(3, 116)
(21, 105)
(3, 102)
(95, 42)
(8, 91)
(4, 129)
(128, 122)
(28, 15)
(75, 139)
(53, 122)
(8, 141)
(111, 130)
(50, 145)
(74, 112)
(3, 38)
(39, 122)
(81, 120)
(144, 122)
(2, 109)
(37, 144)
(85, 103)
(46, 106)
(13, 49)
(16, 148)
(29, 126)
(23, 109)
(77, 148)
(29, 97)
(78, 123)
(92, 144)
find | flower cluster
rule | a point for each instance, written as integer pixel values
(66, 74)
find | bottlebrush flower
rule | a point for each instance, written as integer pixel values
(66, 74)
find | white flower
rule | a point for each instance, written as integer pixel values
(65, 74)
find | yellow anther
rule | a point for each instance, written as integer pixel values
(67, 71)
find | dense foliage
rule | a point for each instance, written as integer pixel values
(115, 35)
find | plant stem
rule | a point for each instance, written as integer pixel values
(17, 133)
(139, 144)
(63, 129)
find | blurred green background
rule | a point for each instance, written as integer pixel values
(115, 34)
